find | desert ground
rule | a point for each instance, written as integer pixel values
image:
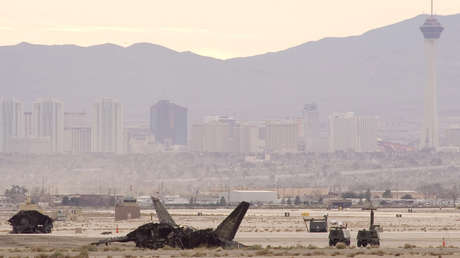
(267, 231)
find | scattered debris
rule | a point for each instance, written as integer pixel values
(168, 233)
(30, 221)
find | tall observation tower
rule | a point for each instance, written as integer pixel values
(431, 30)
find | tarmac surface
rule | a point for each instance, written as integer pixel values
(388, 239)
(424, 231)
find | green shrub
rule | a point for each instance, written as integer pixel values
(409, 246)
(264, 252)
(38, 249)
(310, 246)
(41, 256)
(378, 252)
(318, 253)
(84, 253)
(57, 254)
(199, 254)
(340, 246)
(256, 247)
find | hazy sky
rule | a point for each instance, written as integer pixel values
(216, 28)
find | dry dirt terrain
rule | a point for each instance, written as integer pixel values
(268, 231)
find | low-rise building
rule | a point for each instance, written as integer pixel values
(128, 209)
(255, 196)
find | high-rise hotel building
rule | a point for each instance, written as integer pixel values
(107, 131)
(311, 128)
(348, 132)
(168, 123)
(11, 122)
(48, 122)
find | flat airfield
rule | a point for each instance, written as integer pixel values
(419, 233)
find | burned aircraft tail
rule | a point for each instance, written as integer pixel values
(162, 214)
(228, 228)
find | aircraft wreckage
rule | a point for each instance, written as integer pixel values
(30, 221)
(167, 232)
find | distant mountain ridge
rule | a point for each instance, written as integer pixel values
(380, 72)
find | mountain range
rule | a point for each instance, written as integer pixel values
(381, 72)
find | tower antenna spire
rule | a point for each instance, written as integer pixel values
(431, 7)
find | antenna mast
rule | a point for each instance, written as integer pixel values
(431, 7)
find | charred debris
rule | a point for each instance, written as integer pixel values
(168, 233)
(30, 221)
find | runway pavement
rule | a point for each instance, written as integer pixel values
(388, 239)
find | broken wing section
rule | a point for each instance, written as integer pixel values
(228, 228)
(162, 213)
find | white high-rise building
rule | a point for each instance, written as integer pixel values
(431, 30)
(48, 121)
(197, 138)
(250, 141)
(28, 132)
(11, 122)
(221, 135)
(224, 134)
(367, 133)
(77, 140)
(107, 131)
(453, 136)
(76, 120)
(342, 132)
(311, 128)
(281, 136)
(348, 132)
(77, 132)
(35, 145)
